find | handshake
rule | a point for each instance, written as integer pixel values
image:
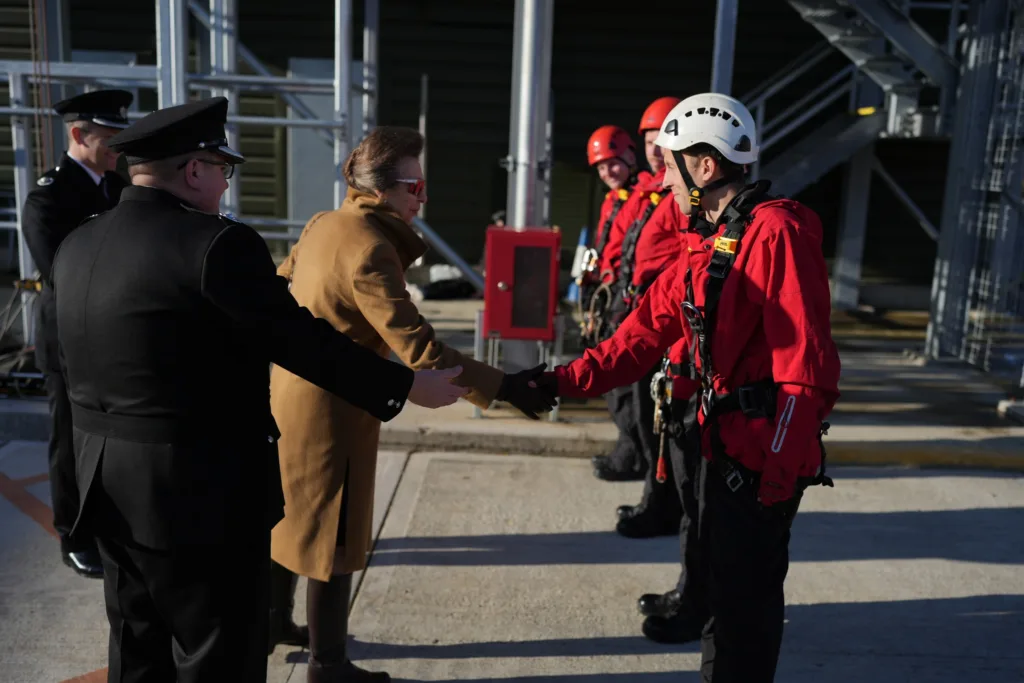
(531, 391)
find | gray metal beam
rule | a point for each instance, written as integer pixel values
(531, 80)
(846, 270)
(371, 29)
(171, 52)
(910, 39)
(223, 38)
(21, 142)
(725, 46)
(342, 87)
(905, 199)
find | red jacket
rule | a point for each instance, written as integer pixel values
(772, 321)
(611, 199)
(630, 211)
(659, 244)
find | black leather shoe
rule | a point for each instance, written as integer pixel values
(624, 511)
(641, 523)
(660, 605)
(607, 469)
(680, 628)
(85, 563)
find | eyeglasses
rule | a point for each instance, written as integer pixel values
(226, 167)
(415, 186)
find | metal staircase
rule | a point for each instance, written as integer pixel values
(892, 50)
(887, 77)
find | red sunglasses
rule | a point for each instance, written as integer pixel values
(415, 186)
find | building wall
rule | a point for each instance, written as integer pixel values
(607, 65)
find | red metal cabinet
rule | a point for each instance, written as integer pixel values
(521, 293)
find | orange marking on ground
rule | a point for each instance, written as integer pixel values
(97, 676)
(28, 504)
(37, 479)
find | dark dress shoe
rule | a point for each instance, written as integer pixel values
(283, 631)
(680, 628)
(660, 605)
(607, 469)
(642, 523)
(85, 563)
(347, 672)
(624, 511)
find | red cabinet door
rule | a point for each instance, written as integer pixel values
(521, 293)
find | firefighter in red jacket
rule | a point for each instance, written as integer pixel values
(612, 152)
(752, 298)
(622, 401)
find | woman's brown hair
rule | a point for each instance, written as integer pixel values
(373, 164)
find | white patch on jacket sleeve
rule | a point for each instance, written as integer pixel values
(780, 430)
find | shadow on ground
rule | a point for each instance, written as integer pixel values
(989, 535)
(841, 643)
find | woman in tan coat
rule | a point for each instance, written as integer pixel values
(349, 267)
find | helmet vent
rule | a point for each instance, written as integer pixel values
(743, 145)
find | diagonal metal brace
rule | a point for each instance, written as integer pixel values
(910, 39)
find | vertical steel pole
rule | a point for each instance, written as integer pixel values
(846, 271)
(224, 61)
(21, 142)
(531, 89)
(725, 46)
(371, 29)
(478, 348)
(172, 52)
(424, 106)
(342, 90)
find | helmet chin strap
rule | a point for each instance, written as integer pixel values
(697, 193)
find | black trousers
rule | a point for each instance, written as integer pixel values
(626, 454)
(63, 484)
(659, 497)
(685, 460)
(744, 550)
(191, 615)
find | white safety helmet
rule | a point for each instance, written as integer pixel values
(718, 120)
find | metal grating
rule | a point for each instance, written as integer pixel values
(978, 294)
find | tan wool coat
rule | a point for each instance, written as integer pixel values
(349, 268)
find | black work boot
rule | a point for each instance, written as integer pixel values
(327, 608)
(607, 468)
(283, 630)
(660, 604)
(642, 522)
(681, 627)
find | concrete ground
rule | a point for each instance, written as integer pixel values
(504, 567)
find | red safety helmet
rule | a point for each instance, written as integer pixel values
(656, 112)
(608, 142)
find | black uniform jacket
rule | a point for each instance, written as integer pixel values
(169, 319)
(63, 197)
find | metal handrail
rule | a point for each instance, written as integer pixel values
(448, 253)
(812, 96)
(813, 111)
(789, 73)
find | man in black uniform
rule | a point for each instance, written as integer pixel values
(83, 184)
(169, 316)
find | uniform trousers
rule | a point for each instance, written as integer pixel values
(192, 614)
(63, 483)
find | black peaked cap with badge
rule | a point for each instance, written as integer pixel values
(193, 127)
(107, 108)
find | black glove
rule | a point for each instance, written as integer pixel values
(523, 391)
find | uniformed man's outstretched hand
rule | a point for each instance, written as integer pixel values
(434, 388)
(523, 391)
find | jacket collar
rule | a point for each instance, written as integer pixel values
(409, 245)
(144, 193)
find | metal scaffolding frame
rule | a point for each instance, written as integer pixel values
(172, 82)
(978, 287)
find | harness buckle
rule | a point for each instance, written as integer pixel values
(750, 401)
(734, 480)
(707, 401)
